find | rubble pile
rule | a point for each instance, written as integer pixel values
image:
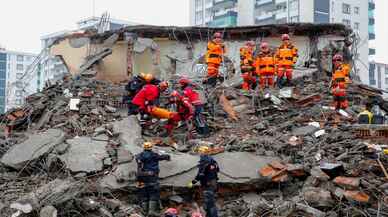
(281, 153)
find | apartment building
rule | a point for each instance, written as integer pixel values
(12, 89)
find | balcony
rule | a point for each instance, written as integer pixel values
(228, 19)
(263, 2)
(281, 14)
(222, 4)
(372, 5)
(265, 16)
(222, 14)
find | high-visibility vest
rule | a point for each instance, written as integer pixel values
(287, 55)
(214, 52)
(265, 64)
(365, 117)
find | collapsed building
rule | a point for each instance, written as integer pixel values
(70, 150)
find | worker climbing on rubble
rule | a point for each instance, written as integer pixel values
(193, 96)
(214, 57)
(338, 83)
(247, 66)
(147, 178)
(265, 66)
(207, 176)
(286, 57)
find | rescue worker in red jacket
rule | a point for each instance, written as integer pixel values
(339, 83)
(214, 56)
(187, 87)
(286, 57)
(185, 110)
(247, 66)
(265, 66)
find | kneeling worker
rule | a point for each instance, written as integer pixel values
(148, 179)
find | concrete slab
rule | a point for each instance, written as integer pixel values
(130, 134)
(34, 147)
(85, 155)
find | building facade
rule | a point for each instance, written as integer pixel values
(357, 14)
(12, 88)
(378, 76)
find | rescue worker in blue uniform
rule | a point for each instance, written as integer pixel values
(148, 179)
(207, 176)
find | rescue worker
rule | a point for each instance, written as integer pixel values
(132, 88)
(365, 117)
(286, 57)
(147, 178)
(247, 66)
(199, 120)
(214, 57)
(185, 110)
(265, 66)
(338, 85)
(171, 212)
(207, 176)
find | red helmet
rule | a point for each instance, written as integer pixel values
(196, 214)
(184, 81)
(264, 46)
(338, 57)
(171, 212)
(285, 37)
(217, 35)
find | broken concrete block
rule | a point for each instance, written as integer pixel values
(332, 169)
(33, 148)
(130, 134)
(318, 197)
(101, 137)
(356, 196)
(304, 131)
(123, 156)
(85, 155)
(317, 173)
(48, 211)
(110, 109)
(347, 182)
(296, 170)
(61, 148)
(104, 212)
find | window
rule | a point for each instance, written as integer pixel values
(19, 84)
(198, 4)
(386, 71)
(18, 101)
(198, 17)
(372, 80)
(346, 8)
(294, 19)
(19, 75)
(372, 36)
(19, 93)
(19, 67)
(386, 81)
(346, 22)
(356, 10)
(208, 14)
(372, 51)
(294, 6)
(371, 21)
(19, 58)
(356, 26)
(28, 58)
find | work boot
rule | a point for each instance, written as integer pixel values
(144, 207)
(154, 209)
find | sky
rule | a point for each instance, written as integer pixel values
(23, 22)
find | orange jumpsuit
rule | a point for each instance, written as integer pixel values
(214, 54)
(265, 69)
(247, 68)
(286, 57)
(338, 87)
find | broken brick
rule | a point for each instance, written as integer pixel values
(357, 196)
(347, 182)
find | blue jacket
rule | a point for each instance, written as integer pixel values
(148, 165)
(207, 170)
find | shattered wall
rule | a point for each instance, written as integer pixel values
(165, 56)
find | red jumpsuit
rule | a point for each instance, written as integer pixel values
(199, 119)
(247, 68)
(214, 54)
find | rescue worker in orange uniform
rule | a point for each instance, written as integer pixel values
(247, 66)
(339, 83)
(286, 57)
(214, 57)
(265, 66)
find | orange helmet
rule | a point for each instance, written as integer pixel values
(338, 57)
(163, 85)
(217, 35)
(285, 37)
(264, 46)
(148, 77)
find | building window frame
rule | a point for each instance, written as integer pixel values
(356, 10)
(19, 67)
(19, 58)
(346, 8)
(347, 22)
